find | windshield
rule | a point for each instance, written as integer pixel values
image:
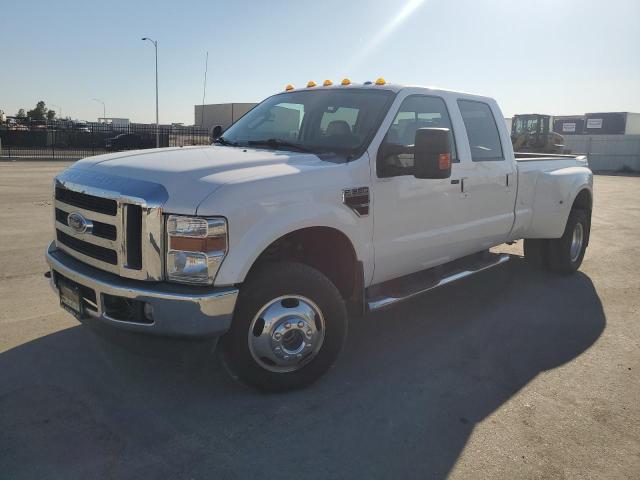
(331, 120)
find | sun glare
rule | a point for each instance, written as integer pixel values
(370, 45)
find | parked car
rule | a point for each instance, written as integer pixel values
(319, 204)
(128, 141)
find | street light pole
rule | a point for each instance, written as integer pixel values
(155, 45)
(104, 109)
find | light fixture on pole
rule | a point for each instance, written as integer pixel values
(155, 44)
(104, 108)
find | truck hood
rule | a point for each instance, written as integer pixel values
(190, 174)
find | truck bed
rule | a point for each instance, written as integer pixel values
(545, 185)
(529, 157)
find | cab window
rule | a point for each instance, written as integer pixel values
(416, 111)
(482, 131)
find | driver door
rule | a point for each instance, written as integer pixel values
(416, 221)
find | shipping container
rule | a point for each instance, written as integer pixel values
(569, 124)
(612, 123)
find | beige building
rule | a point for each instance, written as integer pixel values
(223, 114)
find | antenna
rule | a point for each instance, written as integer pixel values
(204, 89)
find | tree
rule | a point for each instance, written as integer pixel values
(21, 113)
(39, 112)
(51, 114)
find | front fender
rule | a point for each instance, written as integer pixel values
(249, 237)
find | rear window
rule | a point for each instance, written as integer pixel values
(482, 131)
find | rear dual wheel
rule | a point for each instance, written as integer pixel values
(564, 254)
(289, 326)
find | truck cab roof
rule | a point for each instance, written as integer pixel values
(393, 87)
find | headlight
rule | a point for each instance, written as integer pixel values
(196, 247)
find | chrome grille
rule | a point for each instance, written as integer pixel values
(126, 234)
(100, 229)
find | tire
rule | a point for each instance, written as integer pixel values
(536, 253)
(289, 326)
(565, 254)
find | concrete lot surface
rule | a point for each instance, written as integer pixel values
(511, 374)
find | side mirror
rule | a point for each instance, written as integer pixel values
(215, 132)
(432, 153)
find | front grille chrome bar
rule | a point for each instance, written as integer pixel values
(138, 245)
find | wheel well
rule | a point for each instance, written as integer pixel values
(583, 201)
(323, 248)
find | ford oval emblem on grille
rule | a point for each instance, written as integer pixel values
(78, 223)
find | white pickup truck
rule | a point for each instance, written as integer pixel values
(320, 203)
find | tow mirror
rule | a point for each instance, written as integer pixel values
(432, 153)
(215, 132)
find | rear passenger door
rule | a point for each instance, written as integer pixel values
(489, 182)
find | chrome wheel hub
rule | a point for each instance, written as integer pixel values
(576, 242)
(286, 333)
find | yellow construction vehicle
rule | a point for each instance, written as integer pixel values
(533, 132)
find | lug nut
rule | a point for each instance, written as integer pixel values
(287, 325)
(300, 324)
(278, 336)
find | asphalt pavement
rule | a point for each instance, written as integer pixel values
(509, 374)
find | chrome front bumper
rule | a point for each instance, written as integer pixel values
(178, 310)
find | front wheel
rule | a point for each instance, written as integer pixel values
(288, 328)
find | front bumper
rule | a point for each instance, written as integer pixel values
(178, 310)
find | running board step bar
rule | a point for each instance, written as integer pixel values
(383, 301)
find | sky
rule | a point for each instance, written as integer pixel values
(557, 57)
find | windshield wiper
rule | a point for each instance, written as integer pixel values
(276, 143)
(225, 142)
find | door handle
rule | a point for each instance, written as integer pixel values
(456, 181)
(508, 182)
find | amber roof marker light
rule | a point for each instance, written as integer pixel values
(327, 83)
(311, 84)
(345, 82)
(289, 87)
(380, 81)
